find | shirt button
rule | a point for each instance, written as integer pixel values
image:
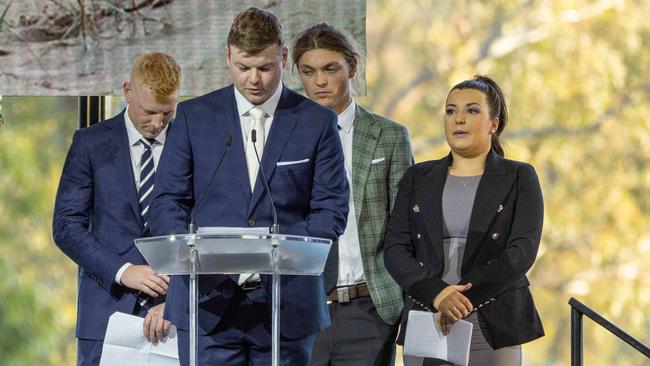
(251, 222)
(495, 236)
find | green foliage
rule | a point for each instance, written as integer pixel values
(37, 282)
(25, 316)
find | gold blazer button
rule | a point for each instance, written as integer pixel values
(419, 236)
(495, 236)
(416, 208)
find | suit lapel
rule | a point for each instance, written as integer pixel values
(122, 162)
(492, 190)
(285, 119)
(429, 201)
(364, 143)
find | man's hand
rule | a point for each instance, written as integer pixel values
(451, 303)
(143, 278)
(156, 328)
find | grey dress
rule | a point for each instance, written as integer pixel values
(457, 202)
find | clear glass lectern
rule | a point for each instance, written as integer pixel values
(195, 254)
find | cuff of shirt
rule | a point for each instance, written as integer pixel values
(120, 272)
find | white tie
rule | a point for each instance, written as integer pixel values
(257, 115)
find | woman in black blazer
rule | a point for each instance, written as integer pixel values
(465, 229)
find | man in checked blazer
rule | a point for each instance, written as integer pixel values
(364, 302)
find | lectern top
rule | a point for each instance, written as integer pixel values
(233, 253)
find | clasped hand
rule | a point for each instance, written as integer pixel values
(452, 305)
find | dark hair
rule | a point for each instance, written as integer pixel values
(496, 102)
(253, 30)
(324, 36)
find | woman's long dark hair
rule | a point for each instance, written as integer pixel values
(496, 102)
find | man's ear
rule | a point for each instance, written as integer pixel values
(127, 90)
(353, 68)
(285, 56)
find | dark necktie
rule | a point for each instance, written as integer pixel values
(147, 175)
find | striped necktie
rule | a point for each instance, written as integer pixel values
(147, 174)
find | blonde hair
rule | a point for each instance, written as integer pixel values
(159, 72)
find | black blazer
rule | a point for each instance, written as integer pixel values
(504, 234)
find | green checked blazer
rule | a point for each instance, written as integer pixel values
(381, 152)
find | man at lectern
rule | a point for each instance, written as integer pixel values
(102, 205)
(300, 152)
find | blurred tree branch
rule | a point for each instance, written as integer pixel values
(497, 45)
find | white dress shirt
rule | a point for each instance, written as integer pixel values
(350, 264)
(246, 123)
(136, 149)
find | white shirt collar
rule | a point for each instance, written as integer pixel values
(346, 118)
(135, 136)
(269, 106)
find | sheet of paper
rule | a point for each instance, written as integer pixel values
(424, 339)
(125, 345)
(225, 230)
(459, 341)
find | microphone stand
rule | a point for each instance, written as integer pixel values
(194, 259)
(275, 258)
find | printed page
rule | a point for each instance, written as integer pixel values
(125, 345)
(424, 339)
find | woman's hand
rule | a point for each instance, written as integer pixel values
(451, 303)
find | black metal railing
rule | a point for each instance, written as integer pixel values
(579, 309)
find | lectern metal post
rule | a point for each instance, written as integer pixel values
(275, 287)
(191, 244)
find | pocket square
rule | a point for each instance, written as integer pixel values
(377, 161)
(285, 163)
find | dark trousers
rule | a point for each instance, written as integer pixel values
(89, 352)
(243, 337)
(357, 337)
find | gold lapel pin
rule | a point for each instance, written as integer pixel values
(416, 208)
(500, 208)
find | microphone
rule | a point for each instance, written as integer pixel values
(275, 229)
(192, 224)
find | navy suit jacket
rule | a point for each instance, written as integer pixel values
(96, 218)
(310, 193)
